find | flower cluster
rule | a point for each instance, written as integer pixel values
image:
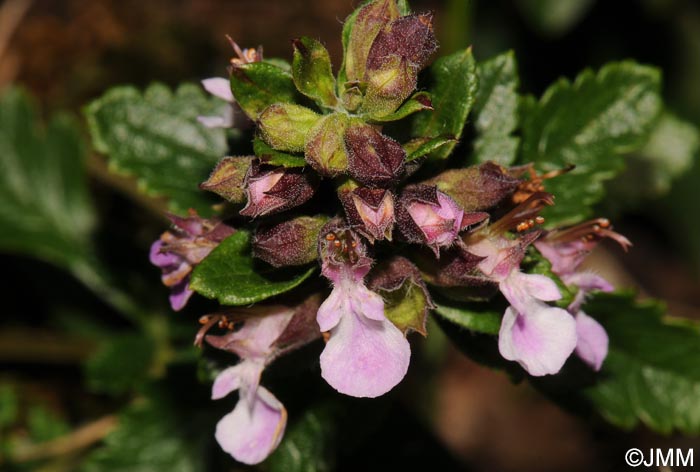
(394, 229)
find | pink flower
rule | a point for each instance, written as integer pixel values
(181, 248)
(366, 355)
(256, 425)
(566, 249)
(538, 336)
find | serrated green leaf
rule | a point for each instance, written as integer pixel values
(120, 364)
(496, 110)
(454, 85)
(311, 70)
(652, 372)
(155, 137)
(230, 274)
(420, 147)
(418, 102)
(307, 444)
(274, 157)
(471, 316)
(258, 85)
(46, 210)
(589, 123)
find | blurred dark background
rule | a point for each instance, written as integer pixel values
(69, 52)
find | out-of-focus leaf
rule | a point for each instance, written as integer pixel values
(650, 172)
(554, 17)
(496, 110)
(9, 405)
(590, 124)
(307, 444)
(679, 210)
(230, 274)
(120, 364)
(258, 85)
(454, 84)
(44, 424)
(166, 430)
(45, 208)
(652, 372)
(155, 137)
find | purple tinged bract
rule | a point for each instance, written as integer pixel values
(428, 216)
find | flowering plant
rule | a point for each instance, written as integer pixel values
(339, 219)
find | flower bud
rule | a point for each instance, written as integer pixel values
(410, 37)
(290, 243)
(400, 50)
(227, 178)
(325, 147)
(428, 216)
(374, 159)
(284, 126)
(476, 187)
(275, 189)
(406, 298)
(369, 211)
(370, 19)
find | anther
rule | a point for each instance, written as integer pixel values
(330, 237)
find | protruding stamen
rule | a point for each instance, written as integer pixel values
(589, 231)
(535, 183)
(524, 216)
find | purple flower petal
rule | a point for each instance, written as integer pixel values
(564, 257)
(588, 281)
(228, 380)
(331, 310)
(162, 259)
(520, 289)
(252, 431)
(540, 287)
(219, 87)
(592, 345)
(364, 357)
(540, 339)
(180, 294)
(254, 340)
